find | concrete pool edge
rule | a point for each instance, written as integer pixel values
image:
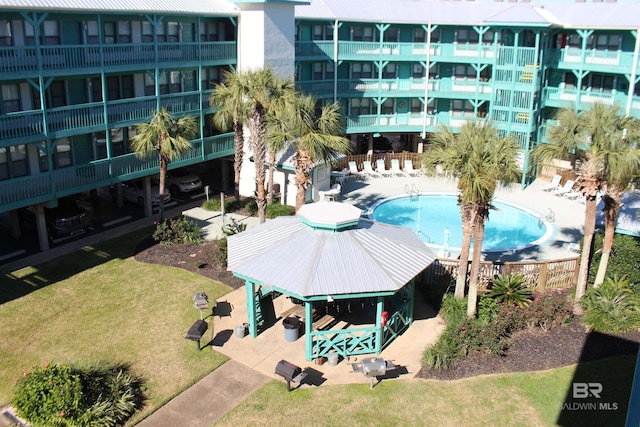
(547, 237)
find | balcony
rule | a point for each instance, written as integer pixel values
(26, 190)
(28, 126)
(563, 98)
(409, 122)
(24, 61)
(605, 61)
(397, 88)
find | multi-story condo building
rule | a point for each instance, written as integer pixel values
(76, 78)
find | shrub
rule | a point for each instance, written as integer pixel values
(218, 253)
(453, 310)
(211, 205)
(91, 395)
(233, 228)
(623, 260)
(548, 311)
(444, 352)
(275, 210)
(612, 306)
(251, 206)
(487, 307)
(511, 289)
(181, 230)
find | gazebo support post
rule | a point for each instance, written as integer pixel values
(378, 326)
(308, 327)
(251, 308)
(411, 295)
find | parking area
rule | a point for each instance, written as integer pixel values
(103, 212)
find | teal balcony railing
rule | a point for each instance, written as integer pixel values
(563, 98)
(407, 122)
(396, 88)
(90, 117)
(26, 190)
(594, 60)
(77, 59)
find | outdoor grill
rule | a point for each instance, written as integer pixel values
(201, 302)
(373, 367)
(290, 372)
(196, 331)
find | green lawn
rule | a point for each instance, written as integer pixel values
(101, 304)
(523, 399)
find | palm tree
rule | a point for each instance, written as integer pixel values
(621, 165)
(264, 92)
(170, 137)
(316, 135)
(479, 158)
(228, 102)
(587, 137)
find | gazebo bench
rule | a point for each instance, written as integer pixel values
(323, 322)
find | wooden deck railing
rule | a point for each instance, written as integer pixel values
(540, 275)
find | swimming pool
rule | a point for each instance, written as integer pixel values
(429, 215)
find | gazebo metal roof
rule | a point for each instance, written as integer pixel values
(341, 254)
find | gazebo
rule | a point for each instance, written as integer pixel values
(325, 256)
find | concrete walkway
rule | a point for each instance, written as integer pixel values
(209, 399)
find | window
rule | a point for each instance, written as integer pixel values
(96, 89)
(173, 32)
(388, 106)
(210, 77)
(392, 34)
(605, 42)
(390, 71)
(467, 36)
(362, 34)
(360, 106)
(51, 32)
(323, 71)
(175, 80)
(119, 87)
(124, 32)
(417, 71)
(599, 82)
(209, 32)
(416, 105)
(487, 37)
(147, 32)
(5, 33)
(322, 32)
(435, 36)
(30, 38)
(361, 71)
(569, 81)
(419, 35)
(149, 85)
(464, 72)
(10, 99)
(62, 155)
(163, 84)
(461, 108)
(161, 32)
(56, 95)
(109, 30)
(574, 41)
(13, 162)
(92, 32)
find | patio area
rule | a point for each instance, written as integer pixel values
(265, 351)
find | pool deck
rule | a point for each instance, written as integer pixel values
(568, 223)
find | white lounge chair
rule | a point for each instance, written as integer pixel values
(395, 167)
(573, 248)
(561, 191)
(331, 195)
(555, 183)
(409, 170)
(368, 169)
(382, 169)
(353, 171)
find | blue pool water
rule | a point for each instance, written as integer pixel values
(428, 215)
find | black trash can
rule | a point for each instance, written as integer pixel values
(291, 328)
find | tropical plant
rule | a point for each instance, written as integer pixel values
(316, 134)
(167, 136)
(90, 395)
(624, 257)
(479, 158)
(611, 307)
(180, 230)
(452, 309)
(511, 289)
(275, 210)
(595, 140)
(227, 100)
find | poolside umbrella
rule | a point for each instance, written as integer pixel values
(327, 249)
(628, 221)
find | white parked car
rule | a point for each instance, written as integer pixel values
(180, 180)
(133, 191)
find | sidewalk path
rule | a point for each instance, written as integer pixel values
(209, 399)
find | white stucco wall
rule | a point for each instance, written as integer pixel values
(266, 37)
